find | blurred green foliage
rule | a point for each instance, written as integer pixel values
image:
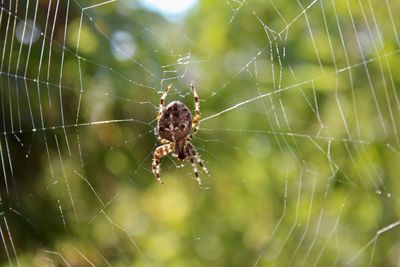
(301, 109)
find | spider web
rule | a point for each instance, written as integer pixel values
(299, 131)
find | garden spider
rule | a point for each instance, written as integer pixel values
(173, 131)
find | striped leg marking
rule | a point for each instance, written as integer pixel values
(195, 154)
(197, 116)
(159, 153)
(162, 102)
(196, 173)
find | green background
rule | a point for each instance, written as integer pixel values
(300, 112)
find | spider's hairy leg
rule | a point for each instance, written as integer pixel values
(160, 112)
(197, 116)
(193, 152)
(196, 173)
(162, 102)
(159, 153)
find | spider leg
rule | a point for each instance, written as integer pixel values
(162, 102)
(159, 153)
(193, 152)
(160, 112)
(197, 116)
(196, 173)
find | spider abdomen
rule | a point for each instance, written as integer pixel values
(175, 122)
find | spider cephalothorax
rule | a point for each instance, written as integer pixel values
(174, 127)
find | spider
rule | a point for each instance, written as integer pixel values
(174, 126)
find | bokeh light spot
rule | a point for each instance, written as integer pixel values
(123, 45)
(171, 9)
(27, 32)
